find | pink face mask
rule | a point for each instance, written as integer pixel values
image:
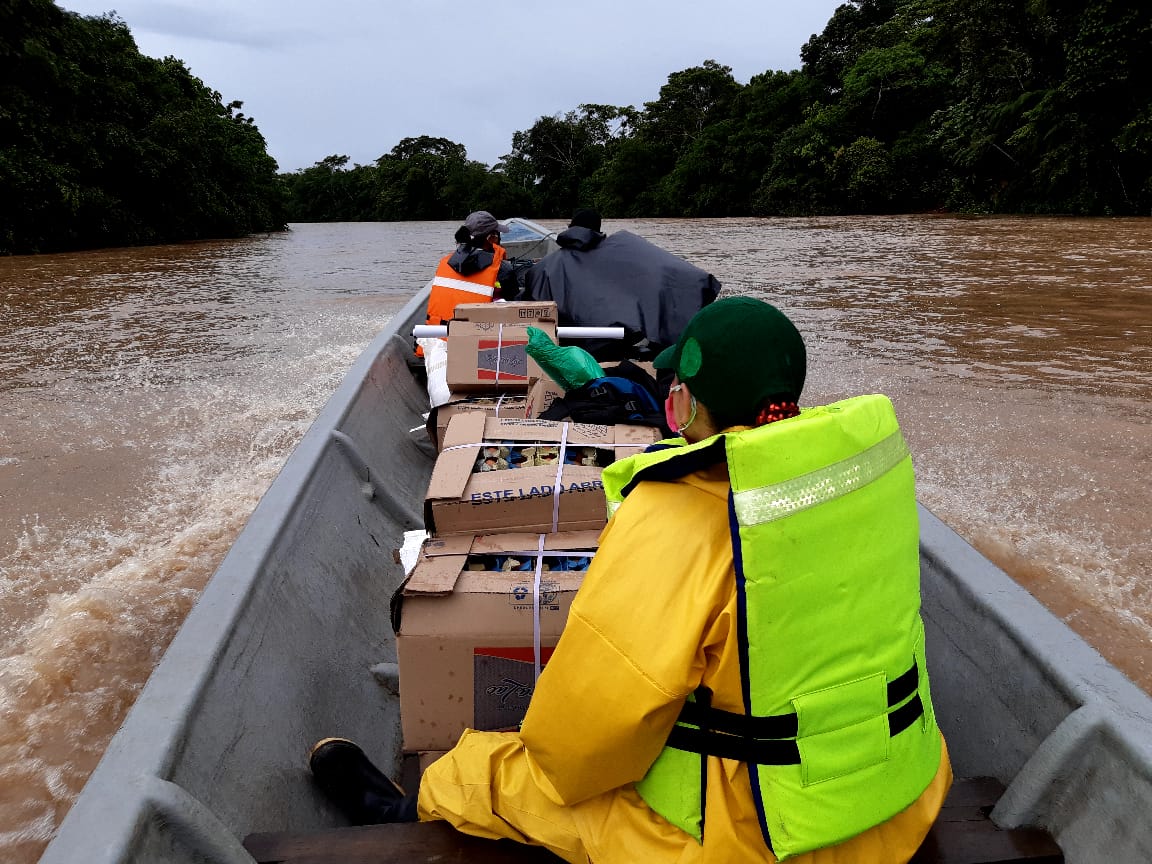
(670, 415)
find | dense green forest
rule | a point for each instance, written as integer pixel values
(993, 106)
(103, 146)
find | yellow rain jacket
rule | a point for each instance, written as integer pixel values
(655, 619)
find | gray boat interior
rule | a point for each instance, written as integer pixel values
(291, 642)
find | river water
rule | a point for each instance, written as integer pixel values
(149, 396)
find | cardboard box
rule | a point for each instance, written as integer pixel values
(542, 392)
(486, 345)
(524, 499)
(507, 312)
(465, 640)
(427, 757)
(491, 356)
(498, 405)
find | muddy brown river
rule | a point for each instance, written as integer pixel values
(149, 396)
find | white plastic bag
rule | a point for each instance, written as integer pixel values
(410, 551)
(436, 365)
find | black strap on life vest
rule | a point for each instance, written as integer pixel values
(771, 740)
(704, 700)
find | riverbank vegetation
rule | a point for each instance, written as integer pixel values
(987, 106)
(103, 146)
(982, 106)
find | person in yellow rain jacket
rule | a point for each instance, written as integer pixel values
(742, 674)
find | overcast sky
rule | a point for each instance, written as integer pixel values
(353, 77)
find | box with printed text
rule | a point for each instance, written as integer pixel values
(499, 474)
(542, 392)
(487, 345)
(514, 312)
(465, 641)
(491, 357)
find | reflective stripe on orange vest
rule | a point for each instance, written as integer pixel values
(463, 285)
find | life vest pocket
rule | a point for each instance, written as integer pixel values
(842, 729)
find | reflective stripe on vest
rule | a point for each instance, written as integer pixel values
(463, 285)
(780, 500)
(825, 541)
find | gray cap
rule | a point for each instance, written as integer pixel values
(482, 223)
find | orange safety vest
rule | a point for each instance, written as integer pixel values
(450, 288)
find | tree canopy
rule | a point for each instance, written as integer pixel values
(1025, 106)
(1022, 106)
(103, 146)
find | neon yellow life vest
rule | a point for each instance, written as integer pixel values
(838, 731)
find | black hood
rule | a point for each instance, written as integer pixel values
(623, 281)
(579, 238)
(466, 260)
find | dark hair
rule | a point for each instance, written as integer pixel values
(463, 235)
(754, 416)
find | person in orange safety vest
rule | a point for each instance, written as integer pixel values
(477, 272)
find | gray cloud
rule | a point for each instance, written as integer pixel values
(185, 21)
(356, 76)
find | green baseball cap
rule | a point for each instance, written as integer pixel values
(737, 352)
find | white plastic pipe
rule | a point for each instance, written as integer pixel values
(427, 331)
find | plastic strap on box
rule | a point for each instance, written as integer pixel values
(499, 346)
(536, 612)
(559, 479)
(605, 445)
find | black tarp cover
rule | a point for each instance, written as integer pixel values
(623, 281)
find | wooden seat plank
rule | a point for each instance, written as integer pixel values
(983, 843)
(963, 834)
(414, 842)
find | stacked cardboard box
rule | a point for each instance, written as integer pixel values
(487, 345)
(466, 649)
(517, 406)
(514, 507)
(478, 333)
(466, 622)
(498, 405)
(542, 392)
(559, 490)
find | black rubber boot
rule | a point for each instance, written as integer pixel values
(361, 790)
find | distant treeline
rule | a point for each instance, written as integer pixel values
(103, 146)
(996, 106)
